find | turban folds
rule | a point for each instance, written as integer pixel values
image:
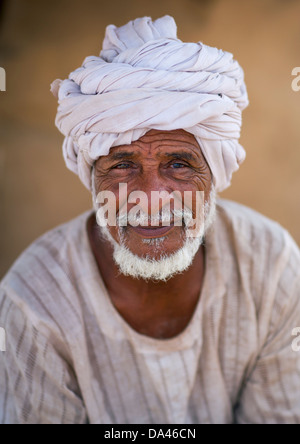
(146, 78)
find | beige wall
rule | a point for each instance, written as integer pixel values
(42, 40)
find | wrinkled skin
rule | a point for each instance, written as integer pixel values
(160, 160)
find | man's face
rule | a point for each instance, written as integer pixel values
(166, 161)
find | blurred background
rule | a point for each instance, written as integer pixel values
(43, 40)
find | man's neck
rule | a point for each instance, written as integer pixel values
(157, 309)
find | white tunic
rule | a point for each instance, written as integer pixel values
(71, 358)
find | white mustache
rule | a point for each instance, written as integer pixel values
(164, 217)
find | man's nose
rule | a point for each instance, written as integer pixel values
(156, 191)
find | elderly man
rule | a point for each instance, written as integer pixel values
(141, 318)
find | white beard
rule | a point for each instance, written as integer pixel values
(166, 266)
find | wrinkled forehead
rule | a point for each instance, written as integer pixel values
(155, 140)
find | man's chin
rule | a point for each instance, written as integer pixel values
(156, 260)
(152, 248)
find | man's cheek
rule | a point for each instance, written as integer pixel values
(106, 183)
(196, 203)
(106, 213)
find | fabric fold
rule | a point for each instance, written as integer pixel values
(146, 78)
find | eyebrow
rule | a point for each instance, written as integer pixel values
(175, 155)
(181, 155)
(121, 155)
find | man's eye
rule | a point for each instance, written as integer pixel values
(178, 165)
(121, 166)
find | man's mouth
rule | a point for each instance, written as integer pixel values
(151, 232)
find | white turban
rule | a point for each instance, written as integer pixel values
(146, 78)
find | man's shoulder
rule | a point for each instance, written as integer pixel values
(244, 218)
(43, 259)
(40, 289)
(239, 213)
(251, 232)
(257, 255)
